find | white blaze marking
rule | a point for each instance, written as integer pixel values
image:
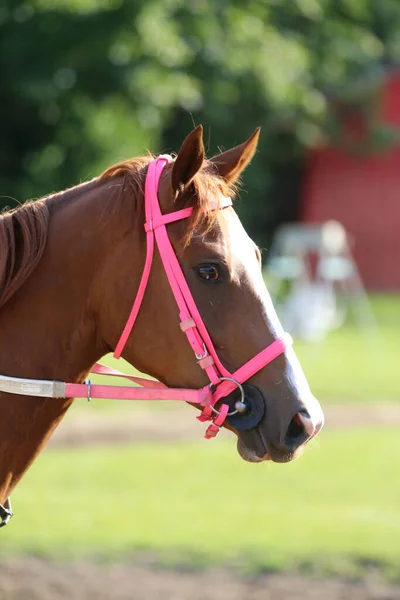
(242, 251)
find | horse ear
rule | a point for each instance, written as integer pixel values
(189, 159)
(231, 163)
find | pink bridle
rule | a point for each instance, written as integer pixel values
(222, 382)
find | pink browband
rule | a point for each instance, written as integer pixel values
(222, 382)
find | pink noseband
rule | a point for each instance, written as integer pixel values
(222, 382)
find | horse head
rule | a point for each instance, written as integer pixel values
(222, 267)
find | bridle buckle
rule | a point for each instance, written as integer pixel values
(201, 356)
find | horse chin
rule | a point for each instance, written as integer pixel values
(249, 455)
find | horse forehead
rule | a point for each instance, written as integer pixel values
(237, 241)
(227, 235)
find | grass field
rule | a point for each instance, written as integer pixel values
(357, 365)
(351, 365)
(336, 509)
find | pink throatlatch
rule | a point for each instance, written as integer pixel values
(222, 382)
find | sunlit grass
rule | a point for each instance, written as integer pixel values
(356, 364)
(338, 505)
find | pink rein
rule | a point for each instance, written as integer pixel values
(191, 324)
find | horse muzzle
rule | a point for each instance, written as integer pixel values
(250, 415)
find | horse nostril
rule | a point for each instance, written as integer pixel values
(300, 429)
(304, 419)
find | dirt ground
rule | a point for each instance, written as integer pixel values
(34, 579)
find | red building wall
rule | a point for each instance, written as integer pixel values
(364, 195)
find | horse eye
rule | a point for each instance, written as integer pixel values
(208, 272)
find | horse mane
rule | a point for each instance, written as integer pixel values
(23, 235)
(205, 186)
(24, 230)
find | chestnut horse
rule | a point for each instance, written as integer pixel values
(70, 267)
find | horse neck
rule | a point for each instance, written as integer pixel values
(48, 328)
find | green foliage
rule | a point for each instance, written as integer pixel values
(335, 509)
(86, 83)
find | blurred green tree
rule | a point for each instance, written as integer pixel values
(87, 82)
